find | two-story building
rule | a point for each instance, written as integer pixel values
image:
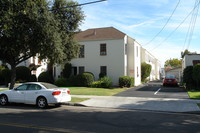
(148, 58)
(108, 51)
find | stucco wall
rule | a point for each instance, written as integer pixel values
(188, 60)
(114, 60)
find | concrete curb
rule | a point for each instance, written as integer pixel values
(74, 104)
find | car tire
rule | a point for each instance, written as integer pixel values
(42, 102)
(3, 100)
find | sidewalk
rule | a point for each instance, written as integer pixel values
(153, 104)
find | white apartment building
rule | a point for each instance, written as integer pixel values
(148, 58)
(40, 65)
(108, 51)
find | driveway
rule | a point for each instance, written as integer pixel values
(155, 90)
(152, 96)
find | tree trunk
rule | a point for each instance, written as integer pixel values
(13, 76)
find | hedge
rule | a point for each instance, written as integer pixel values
(126, 81)
(62, 82)
(45, 77)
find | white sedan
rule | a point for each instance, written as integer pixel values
(38, 93)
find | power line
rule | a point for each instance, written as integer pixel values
(193, 24)
(93, 2)
(177, 26)
(164, 25)
(190, 26)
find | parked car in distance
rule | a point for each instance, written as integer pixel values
(38, 93)
(170, 80)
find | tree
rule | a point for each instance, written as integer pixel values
(196, 74)
(67, 70)
(29, 27)
(173, 62)
(186, 52)
(145, 70)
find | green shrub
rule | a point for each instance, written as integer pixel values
(62, 82)
(23, 73)
(105, 82)
(6, 75)
(126, 81)
(91, 74)
(67, 70)
(84, 79)
(188, 77)
(96, 84)
(196, 74)
(101, 75)
(45, 77)
(145, 70)
(33, 78)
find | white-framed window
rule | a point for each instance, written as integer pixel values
(103, 50)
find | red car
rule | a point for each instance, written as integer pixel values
(170, 80)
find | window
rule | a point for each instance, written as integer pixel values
(22, 87)
(34, 87)
(81, 69)
(103, 70)
(103, 49)
(82, 52)
(137, 51)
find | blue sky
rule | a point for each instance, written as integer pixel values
(143, 19)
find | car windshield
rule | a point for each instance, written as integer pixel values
(49, 86)
(170, 77)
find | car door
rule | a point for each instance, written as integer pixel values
(18, 94)
(32, 93)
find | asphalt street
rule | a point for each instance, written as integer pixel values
(155, 90)
(28, 119)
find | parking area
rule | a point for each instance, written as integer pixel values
(155, 90)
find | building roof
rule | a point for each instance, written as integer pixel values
(99, 34)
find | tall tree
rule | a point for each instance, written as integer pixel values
(173, 62)
(29, 27)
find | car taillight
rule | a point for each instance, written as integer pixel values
(56, 93)
(68, 92)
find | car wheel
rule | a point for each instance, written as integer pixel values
(3, 100)
(42, 102)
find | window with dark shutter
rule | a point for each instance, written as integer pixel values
(81, 69)
(103, 49)
(82, 52)
(103, 70)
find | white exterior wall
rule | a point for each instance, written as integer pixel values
(149, 59)
(137, 63)
(157, 69)
(134, 61)
(188, 60)
(114, 60)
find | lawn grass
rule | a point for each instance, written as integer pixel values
(198, 104)
(3, 89)
(78, 99)
(194, 94)
(94, 91)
